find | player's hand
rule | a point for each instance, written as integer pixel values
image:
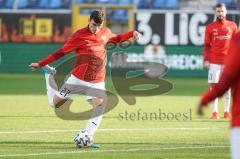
(206, 64)
(34, 66)
(200, 110)
(136, 35)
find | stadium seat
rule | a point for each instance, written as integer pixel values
(110, 14)
(105, 2)
(55, 4)
(9, 3)
(79, 1)
(2, 4)
(113, 1)
(159, 4)
(85, 11)
(22, 4)
(230, 4)
(125, 2)
(224, 1)
(102, 1)
(145, 4)
(43, 3)
(90, 1)
(66, 4)
(32, 4)
(172, 4)
(120, 14)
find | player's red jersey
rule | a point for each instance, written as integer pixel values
(217, 40)
(90, 52)
(229, 78)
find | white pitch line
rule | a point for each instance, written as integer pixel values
(113, 150)
(131, 129)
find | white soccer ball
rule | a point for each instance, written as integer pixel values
(83, 139)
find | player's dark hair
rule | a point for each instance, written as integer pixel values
(97, 16)
(220, 5)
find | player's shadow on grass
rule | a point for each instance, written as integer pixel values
(68, 145)
(38, 145)
(61, 142)
(33, 142)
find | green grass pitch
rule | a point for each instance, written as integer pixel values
(30, 129)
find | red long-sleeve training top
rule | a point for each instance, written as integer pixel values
(217, 40)
(229, 78)
(90, 52)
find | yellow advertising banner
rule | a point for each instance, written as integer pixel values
(43, 27)
(26, 27)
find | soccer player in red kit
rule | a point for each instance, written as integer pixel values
(230, 78)
(216, 44)
(89, 70)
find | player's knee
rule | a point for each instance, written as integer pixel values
(58, 101)
(96, 102)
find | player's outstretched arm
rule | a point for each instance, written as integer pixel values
(124, 36)
(136, 35)
(49, 59)
(68, 47)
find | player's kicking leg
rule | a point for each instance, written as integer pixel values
(51, 86)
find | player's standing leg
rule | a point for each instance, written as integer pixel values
(226, 103)
(97, 115)
(215, 114)
(97, 98)
(92, 124)
(213, 78)
(98, 102)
